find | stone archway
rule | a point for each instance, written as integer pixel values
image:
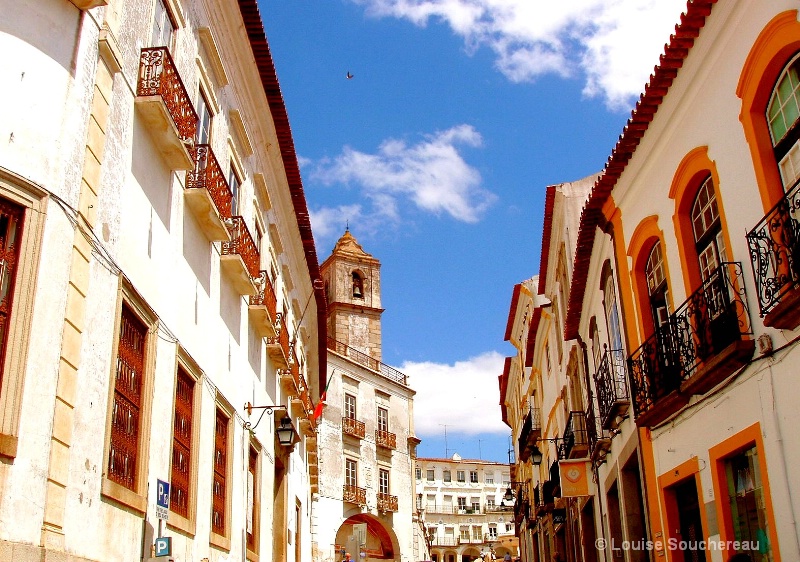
(381, 542)
(469, 554)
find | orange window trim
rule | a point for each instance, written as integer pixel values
(614, 216)
(695, 167)
(717, 455)
(684, 471)
(775, 45)
(654, 503)
(642, 241)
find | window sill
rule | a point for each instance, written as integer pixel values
(8, 446)
(181, 524)
(220, 541)
(124, 496)
(252, 556)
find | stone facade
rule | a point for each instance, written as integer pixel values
(366, 432)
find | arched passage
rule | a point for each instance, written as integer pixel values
(380, 544)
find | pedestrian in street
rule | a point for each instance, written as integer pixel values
(507, 557)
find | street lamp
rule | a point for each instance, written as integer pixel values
(286, 432)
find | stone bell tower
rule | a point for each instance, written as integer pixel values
(353, 288)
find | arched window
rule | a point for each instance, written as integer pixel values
(657, 285)
(707, 230)
(358, 286)
(783, 113)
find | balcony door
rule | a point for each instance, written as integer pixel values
(657, 286)
(163, 27)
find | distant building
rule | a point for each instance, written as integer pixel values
(366, 433)
(467, 506)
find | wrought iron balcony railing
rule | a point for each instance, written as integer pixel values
(353, 427)
(263, 306)
(242, 244)
(693, 350)
(354, 494)
(386, 503)
(612, 388)
(385, 439)
(599, 443)
(530, 433)
(208, 194)
(444, 541)
(363, 359)
(159, 77)
(278, 345)
(575, 443)
(775, 255)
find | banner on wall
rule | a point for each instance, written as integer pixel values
(575, 481)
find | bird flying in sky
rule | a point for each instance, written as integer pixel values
(349, 76)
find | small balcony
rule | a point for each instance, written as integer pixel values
(353, 428)
(612, 389)
(599, 443)
(208, 195)
(698, 347)
(165, 107)
(354, 495)
(240, 258)
(530, 433)
(263, 307)
(775, 255)
(575, 443)
(444, 541)
(385, 439)
(386, 503)
(278, 345)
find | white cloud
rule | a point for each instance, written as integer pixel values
(614, 43)
(431, 174)
(332, 221)
(465, 395)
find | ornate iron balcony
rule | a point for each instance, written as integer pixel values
(386, 503)
(530, 433)
(278, 345)
(242, 243)
(353, 427)
(775, 255)
(263, 306)
(612, 388)
(696, 348)
(574, 444)
(159, 77)
(385, 439)
(354, 494)
(208, 193)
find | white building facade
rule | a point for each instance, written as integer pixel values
(157, 279)
(467, 507)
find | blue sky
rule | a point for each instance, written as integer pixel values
(438, 151)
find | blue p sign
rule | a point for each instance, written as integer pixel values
(164, 546)
(162, 495)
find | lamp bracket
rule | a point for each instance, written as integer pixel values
(248, 407)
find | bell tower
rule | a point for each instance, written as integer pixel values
(353, 289)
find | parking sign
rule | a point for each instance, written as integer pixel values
(163, 546)
(162, 500)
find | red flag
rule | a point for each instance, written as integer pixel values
(321, 404)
